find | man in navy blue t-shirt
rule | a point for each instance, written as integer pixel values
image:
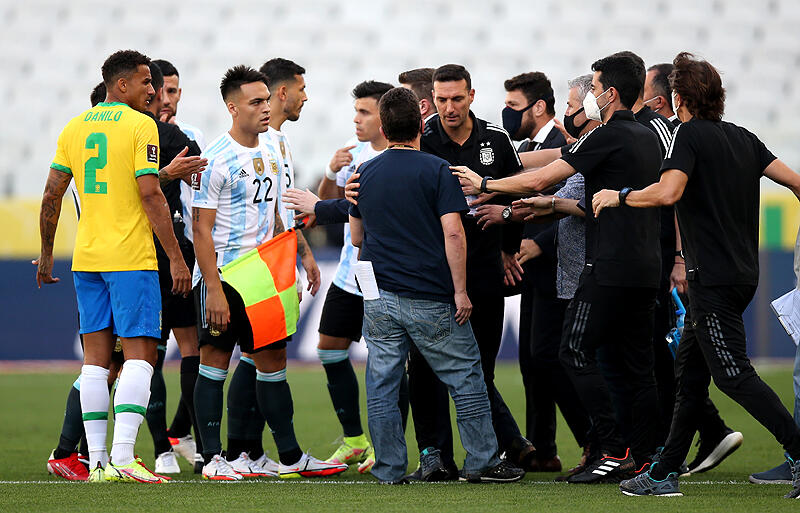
(408, 225)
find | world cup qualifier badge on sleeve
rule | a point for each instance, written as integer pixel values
(152, 153)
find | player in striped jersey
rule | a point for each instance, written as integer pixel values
(234, 210)
(343, 311)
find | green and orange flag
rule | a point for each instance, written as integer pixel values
(265, 278)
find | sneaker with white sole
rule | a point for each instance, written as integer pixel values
(249, 468)
(185, 447)
(167, 463)
(644, 484)
(268, 464)
(218, 469)
(711, 454)
(309, 466)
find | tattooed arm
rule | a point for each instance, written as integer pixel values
(57, 183)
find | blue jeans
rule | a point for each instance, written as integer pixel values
(391, 324)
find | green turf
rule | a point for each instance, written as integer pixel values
(32, 406)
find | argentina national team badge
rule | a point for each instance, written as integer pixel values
(486, 156)
(273, 164)
(152, 153)
(258, 165)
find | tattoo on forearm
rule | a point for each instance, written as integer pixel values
(279, 227)
(302, 245)
(54, 189)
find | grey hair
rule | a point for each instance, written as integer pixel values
(583, 83)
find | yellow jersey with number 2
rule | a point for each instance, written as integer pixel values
(105, 149)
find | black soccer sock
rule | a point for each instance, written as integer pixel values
(72, 428)
(184, 415)
(182, 422)
(275, 402)
(156, 415)
(245, 423)
(208, 407)
(343, 387)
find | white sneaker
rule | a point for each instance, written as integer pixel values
(309, 466)
(249, 468)
(185, 447)
(167, 463)
(220, 470)
(268, 464)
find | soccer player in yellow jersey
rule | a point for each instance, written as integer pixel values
(111, 151)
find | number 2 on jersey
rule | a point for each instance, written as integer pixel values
(267, 180)
(91, 185)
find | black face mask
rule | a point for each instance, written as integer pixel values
(569, 124)
(512, 120)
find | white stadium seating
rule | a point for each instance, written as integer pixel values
(52, 52)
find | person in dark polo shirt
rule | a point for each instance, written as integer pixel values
(616, 294)
(457, 136)
(408, 225)
(711, 172)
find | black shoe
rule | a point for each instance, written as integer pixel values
(712, 452)
(401, 481)
(795, 493)
(606, 469)
(503, 472)
(522, 453)
(430, 463)
(416, 475)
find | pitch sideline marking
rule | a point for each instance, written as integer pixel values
(330, 482)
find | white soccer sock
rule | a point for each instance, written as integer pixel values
(94, 405)
(130, 405)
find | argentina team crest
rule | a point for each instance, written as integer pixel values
(258, 165)
(273, 164)
(486, 155)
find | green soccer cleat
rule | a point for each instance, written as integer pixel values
(353, 449)
(98, 475)
(369, 460)
(133, 472)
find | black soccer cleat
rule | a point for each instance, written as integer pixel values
(607, 469)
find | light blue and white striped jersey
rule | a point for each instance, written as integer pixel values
(196, 135)
(280, 142)
(241, 184)
(345, 277)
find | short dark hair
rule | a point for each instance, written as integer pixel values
(280, 70)
(420, 81)
(400, 116)
(452, 73)
(623, 73)
(535, 86)
(371, 89)
(661, 79)
(98, 94)
(699, 85)
(167, 68)
(122, 62)
(236, 77)
(157, 76)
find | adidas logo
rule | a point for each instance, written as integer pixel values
(243, 173)
(605, 468)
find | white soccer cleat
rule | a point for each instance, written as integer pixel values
(220, 470)
(309, 466)
(167, 463)
(268, 464)
(249, 468)
(185, 447)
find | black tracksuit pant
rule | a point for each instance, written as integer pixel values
(621, 319)
(714, 345)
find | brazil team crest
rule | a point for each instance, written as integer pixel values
(486, 156)
(258, 165)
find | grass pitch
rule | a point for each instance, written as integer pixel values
(32, 406)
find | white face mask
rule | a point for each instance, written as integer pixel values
(674, 103)
(590, 107)
(654, 98)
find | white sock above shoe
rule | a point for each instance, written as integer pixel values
(130, 406)
(94, 404)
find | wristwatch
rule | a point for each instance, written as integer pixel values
(507, 214)
(483, 183)
(624, 194)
